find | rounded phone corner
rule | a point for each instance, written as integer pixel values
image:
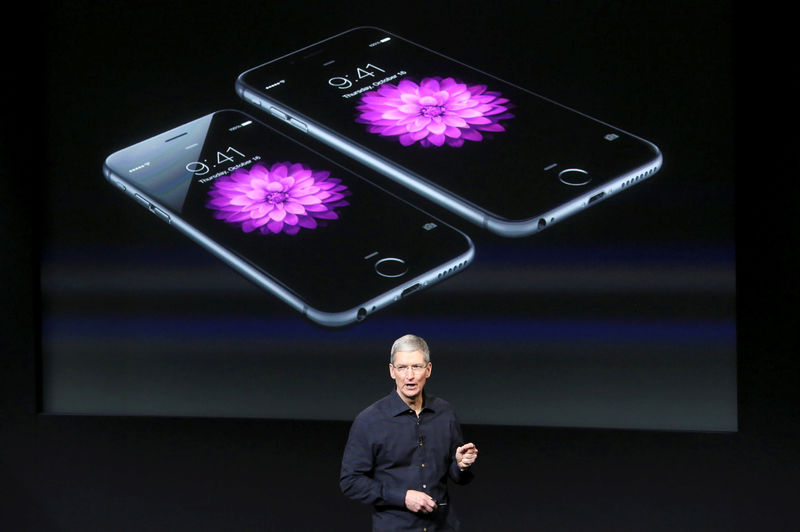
(365, 27)
(657, 153)
(335, 320)
(240, 85)
(514, 228)
(469, 254)
(230, 110)
(659, 159)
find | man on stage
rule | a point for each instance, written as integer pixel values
(403, 448)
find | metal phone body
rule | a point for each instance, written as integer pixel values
(508, 160)
(340, 249)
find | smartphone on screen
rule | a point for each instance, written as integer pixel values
(324, 240)
(494, 153)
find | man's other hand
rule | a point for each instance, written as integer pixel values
(417, 501)
(466, 455)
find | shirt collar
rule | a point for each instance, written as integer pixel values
(397, 406)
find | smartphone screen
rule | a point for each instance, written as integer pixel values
(488, 150)
(325, 240)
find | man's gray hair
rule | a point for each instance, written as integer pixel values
(411, 342)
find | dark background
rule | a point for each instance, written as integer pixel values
(175, 473)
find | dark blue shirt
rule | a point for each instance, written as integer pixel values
(390, 450)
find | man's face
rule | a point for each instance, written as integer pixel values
(410, 371)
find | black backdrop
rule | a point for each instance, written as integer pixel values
(77, 473)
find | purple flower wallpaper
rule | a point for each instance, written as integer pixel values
(283, 198)
(434, 112)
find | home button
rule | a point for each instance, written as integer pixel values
(391, 267)
(574, 177)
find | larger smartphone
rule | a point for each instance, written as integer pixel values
(492, 152)
(321, 238)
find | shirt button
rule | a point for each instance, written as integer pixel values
(424, 485)
(423, 465)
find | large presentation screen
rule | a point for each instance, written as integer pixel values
(240, 274)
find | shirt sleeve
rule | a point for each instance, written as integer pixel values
(457, 439)
(458, 476)
(357, 474)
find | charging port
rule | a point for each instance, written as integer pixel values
(596, 197)
(410, 289)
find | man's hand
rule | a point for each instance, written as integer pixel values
(466, 455)
(417, 501)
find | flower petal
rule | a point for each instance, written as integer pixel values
(437, 140)
(418, 124)
(294, 207)
(436, 127)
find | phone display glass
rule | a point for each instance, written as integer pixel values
(493, 152)
(320, 237)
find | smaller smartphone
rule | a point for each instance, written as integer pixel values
(323, 239)
(492, 152)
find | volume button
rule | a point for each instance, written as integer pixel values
(161, 214)
(143, 201)
(298, 124)
(279, 114)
